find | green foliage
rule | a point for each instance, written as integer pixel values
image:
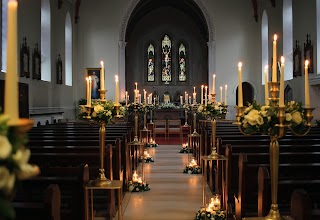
(202, 214)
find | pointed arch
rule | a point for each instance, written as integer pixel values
(288, 94)
(264, 43)
(68, 50)
(287, 43)
(45, 40)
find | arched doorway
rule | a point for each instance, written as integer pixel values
(183, 22)
(248, 93)
(288, 94)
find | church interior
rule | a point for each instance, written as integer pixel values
(154, 109)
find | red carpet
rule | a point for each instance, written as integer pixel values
(173, 140)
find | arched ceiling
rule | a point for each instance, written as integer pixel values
(187, 6)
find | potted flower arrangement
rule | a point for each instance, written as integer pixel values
(185, 149)
(146, 157)
(214, 109)
(192, 168)
(263, 119)
(14, 166)
(105, 111)
(137, 185)
(203, 214)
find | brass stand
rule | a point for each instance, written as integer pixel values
(101, 180)
(136, 115)
(194, 109)
(213, 98)
(151, 114)
(186, 118)
(102, 94)
(145, 119)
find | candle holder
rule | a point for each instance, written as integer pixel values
(276, 130)
(194, 109)
(102, 94)
(145, 118)
(151, 113)
(186, 117)
(117, 116)
(213, 97)
(136, 115)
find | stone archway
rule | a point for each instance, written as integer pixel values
(122, 43)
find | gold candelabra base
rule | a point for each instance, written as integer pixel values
(102, 94)
(101, 180)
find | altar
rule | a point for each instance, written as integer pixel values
(169, 113)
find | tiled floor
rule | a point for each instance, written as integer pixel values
(173, 195)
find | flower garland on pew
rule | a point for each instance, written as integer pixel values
(14, 166)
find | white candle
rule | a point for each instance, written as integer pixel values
(90, 91)
(139, 98)
(281, 92)
(194, 98)
(181, 100)
(225, 94)
(306, 85)
(214, 84)
(136, 85)
(240, 98)
(144, 96)
(11, 100)
(154, 100)
(186, 97)
(102, 76)
(116, 79)
(194, 89)
(274, 59)
(206, 95)
(148, 100)
(87, 90)
(220, 93)
(126, 98)
(266, 87)
(190, 100)
(202, 94)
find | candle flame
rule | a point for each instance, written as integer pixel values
(214, 75)
(266, 67)
(282, 59)
(306, 63)
(226, 86)
(240, 65)
(87, 78)
(90, 78)
(102, 63)
(202, 86)
(275, 37)
(116, 78)
(206, 87)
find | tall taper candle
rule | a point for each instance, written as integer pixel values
(306, 84)
(225, 94)
(90, 91)
(202, 94)
(186, 97)
(274, 59)
(205, 95)
(181, 100)
(102, 76)
(220, 93)
(240, 98)
(136, 86)
(11, 100)
(116, 79)
(144, 96)
(87, 90)
(214, 84)
(126, 98)
(266, 85)
(281, 92)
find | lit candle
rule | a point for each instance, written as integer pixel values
(136, 86)
(148, 100)
(87, 90)
(139, 98)
(194, 89)
(194, 98)
(186, 97)
(90, 91)
(225, 94)
(190, 100)
(220, 93)
(144, 96)
(216, 204)
(306, 85)
(214, 84)
(11, 100)
(240, 100)
(274, 59)
(135, 96)
(202, 94)
(102, 76)
(126, 98)
(281, 92)
(266, 87)
(206, 95)
(181, 100)
(116, 79)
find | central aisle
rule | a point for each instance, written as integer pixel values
(173, 195)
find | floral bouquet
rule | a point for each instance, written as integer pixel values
(105, 111)
(140, 107)
(14, 165)
(184, 149)
(192, 168)
(134, 186)
(203, 214)
(214, 109)
(168, 105)
(146, 157)
(263, 119)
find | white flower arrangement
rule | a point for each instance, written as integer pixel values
(203, 214)
(105, 111)
(14, 166)
(214, 109)
(263, 119)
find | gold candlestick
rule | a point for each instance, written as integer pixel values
(213, 98)
(186, 118)
(102, 94)
(136, 115)
(194, 109)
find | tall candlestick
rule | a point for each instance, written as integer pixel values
(181, 100)
(220, 93)
(87, 90)
(116, 79)
(266, 86)
(202, 94)
(102, 76)
(11, 101)
(194, 98)
(214, 84)
(225, 94)
(205, 95)
(90, 91)
(281, 92)
(240, 98)
(306, 85)
(126, 98)
(144, 96)
(135, 96)
(274, 59)
(186, 97)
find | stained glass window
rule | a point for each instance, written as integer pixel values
(166, 59)
(182, 63)
(151, 63)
